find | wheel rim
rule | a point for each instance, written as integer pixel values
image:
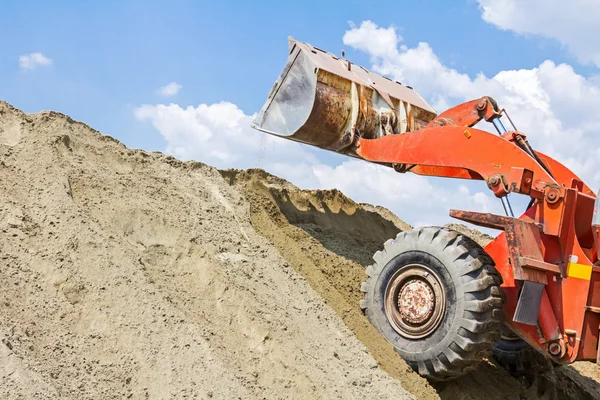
(415, 301)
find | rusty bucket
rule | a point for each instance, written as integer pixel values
(325, 101)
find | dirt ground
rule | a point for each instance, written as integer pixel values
(129, 274)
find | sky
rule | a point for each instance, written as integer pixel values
(186, 77)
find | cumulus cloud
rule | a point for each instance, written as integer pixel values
(551, 103)
(575, 25)
(170, 89)
(220, 135)
(33, 60)
(419, 200)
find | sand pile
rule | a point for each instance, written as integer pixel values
(127, 274)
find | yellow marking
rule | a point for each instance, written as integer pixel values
(579, 271)
(467, 134)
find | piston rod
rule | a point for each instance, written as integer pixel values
(505, 201)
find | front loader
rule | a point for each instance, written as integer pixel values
(444, 302)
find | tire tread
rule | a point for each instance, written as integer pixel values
(482, 317)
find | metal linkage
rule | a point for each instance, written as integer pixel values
(505, 201)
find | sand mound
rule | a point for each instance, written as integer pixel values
(329, 240)
(127, 273)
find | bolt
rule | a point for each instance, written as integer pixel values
(552, 196)
(554, 349)
(494, 180)
(527, 181)
(482, 104)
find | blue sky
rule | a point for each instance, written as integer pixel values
(108, 58)
(112, 55)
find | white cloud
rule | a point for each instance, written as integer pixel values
(33, 60)
(220, 135)
(573, 24)
(414, 198)
(170, 89)
(552, 104)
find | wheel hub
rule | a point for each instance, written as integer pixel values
(415, 301)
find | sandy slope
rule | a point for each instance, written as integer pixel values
(131, 274)
(330, 239)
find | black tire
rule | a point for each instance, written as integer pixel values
(519, 359)
(472, 316)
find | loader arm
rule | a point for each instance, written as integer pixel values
(458, 152)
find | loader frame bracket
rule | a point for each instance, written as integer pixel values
(523, 240)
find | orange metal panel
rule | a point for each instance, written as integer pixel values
(481, 152)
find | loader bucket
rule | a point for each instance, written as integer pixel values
(323, 100)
